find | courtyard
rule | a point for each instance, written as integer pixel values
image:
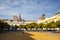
(29, 35)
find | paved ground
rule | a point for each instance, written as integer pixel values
(29, 36)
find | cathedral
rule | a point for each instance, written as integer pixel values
(17, 18)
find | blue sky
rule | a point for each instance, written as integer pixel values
(29, 9)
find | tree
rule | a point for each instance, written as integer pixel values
(21, 26)
(33, 25)
(27, 25)
(40, 25)
(16, 27)
(52, 25)
(3, 25)
(58, 24)
(43, 15)
(45, 26)
(57, 13)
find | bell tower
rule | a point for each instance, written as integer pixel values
(20, 18)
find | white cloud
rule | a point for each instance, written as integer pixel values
(28, 8)
(2, 7)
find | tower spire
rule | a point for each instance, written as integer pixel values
(19, 15)
(20, 18)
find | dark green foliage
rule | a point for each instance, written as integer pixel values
(33, 25)
(40, 25)
(21, 26)
(43, 15)
(3, 25)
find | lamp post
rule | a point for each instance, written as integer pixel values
(23, 21)
(23, 24)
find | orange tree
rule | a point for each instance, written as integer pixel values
(3, 25)
(21, 26)
(16, 27)
(58, 24)
(27, 26)
(40, 25)
(33, 25)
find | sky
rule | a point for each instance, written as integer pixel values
(29, 9)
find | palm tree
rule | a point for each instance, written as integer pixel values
(43, 15)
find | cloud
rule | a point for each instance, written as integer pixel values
(2, 7)
(28, 8)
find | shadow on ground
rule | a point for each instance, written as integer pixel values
(15, 36)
